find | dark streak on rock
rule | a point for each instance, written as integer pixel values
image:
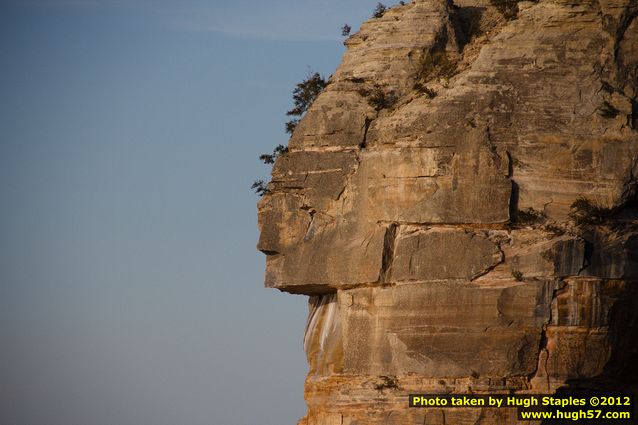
(388, 252)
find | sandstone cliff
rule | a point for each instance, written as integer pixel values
(460, 206)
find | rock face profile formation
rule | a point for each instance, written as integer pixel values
(460, 205)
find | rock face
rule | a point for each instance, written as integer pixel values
(432, 202)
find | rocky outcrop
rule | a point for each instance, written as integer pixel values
(424, 206)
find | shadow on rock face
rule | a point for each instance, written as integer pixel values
(620, 373)
(612, 255)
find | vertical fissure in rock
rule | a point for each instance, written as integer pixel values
(364, 142)
(543, 342)
(309, 232)
(514, 201)
(388, 253)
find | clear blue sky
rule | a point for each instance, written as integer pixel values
(130, 288)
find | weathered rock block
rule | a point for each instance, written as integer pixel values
(533, 255)
(434, 184)
(443, 329)
(422, 255)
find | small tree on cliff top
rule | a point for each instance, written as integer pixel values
(379, 10)
(304, 95)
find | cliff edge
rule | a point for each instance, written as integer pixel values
(460, 204)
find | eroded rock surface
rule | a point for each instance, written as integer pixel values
(424, 206)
